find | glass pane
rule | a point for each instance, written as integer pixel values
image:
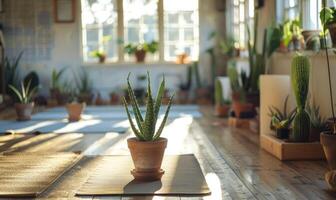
(181, 28)
(99, 22)
(140, 21)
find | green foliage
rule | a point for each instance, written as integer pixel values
(34, 80)
(11, 71)
(195, 69)
(327, 16)
(281, 119)
(83, 82)
(25, 94)
(316, 120)
(227, 46)
(151, 47)
(219, 99)
(145, 127)
(98, 54)
(272, 41)
(300, 82)
(187, 85)
(56, 77)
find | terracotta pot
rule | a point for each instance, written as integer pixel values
(181, 59)
(75, 111)
(147, 158)
(24, 111)
(102, 58)
(314, 134)
(114, 99)
(86, 98)
(328, 142)
(282, 133)
(332, 31)
(240, 108)
(183, 96)
(140, 55)
(222, 110)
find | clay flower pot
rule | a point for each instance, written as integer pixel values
(24, 111)
(240, 108)
(147, 158)
(328, 142)
(102, 58)
(140, 55)
(75, 111)
(222, 110)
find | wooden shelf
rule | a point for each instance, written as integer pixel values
(291, 151)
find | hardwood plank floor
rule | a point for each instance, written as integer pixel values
(232, 161)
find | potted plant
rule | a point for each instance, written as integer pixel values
(100, 55)
(222, 106)
(238, 85)
(140, 50)
(328, 20)
(74, 107)
(203, 96)
(84, 86)
(183, 93)
(11, 70)
(55, 82)
(300, 81)
(281, 120)
(24, 107)
(147, 148)
(328, 138)
(318, 124)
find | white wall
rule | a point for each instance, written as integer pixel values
(66, 49)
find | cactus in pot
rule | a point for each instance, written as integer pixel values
(222, 106)
(147, 148)
(300, 81)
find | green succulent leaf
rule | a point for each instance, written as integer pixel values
(135, 130)
(159, 131)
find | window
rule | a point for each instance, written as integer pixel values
(242, 16)
(181, 28)
(287, 10)
(311, 18)
(107, 23)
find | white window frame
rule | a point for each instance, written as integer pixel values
(120, 33)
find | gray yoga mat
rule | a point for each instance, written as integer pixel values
(183, 176)
(63, 126)
(28, 175)
(105, 115)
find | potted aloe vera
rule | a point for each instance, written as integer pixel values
(281, 120)
(222, 106)
(24, 107)
(147, 148)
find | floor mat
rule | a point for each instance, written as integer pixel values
(28, 175)
(183, 176)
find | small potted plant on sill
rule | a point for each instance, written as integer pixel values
(25, 106)
(147, 148)
(74, 107)
(100, 55)
(140, 50)
(281, 120)
(317, 122)
(300, 70)
(222, 106)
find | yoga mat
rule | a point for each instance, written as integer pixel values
(63, 126)
(107, 115)
(28, 175)
(183, 176)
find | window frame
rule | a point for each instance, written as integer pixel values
(121, 57)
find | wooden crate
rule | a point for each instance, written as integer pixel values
(291, 151)
(239, 123)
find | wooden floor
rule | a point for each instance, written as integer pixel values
(231, 159)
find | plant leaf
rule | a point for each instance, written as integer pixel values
(149, 125)
(159, 98)
(135, 131)
(159, 131)
(16, 91)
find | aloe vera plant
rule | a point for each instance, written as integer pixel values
(146, 125)
(25, 95)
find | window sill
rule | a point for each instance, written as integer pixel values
(133, 64)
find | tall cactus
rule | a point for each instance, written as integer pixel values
(219, 99)
(300, 82)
